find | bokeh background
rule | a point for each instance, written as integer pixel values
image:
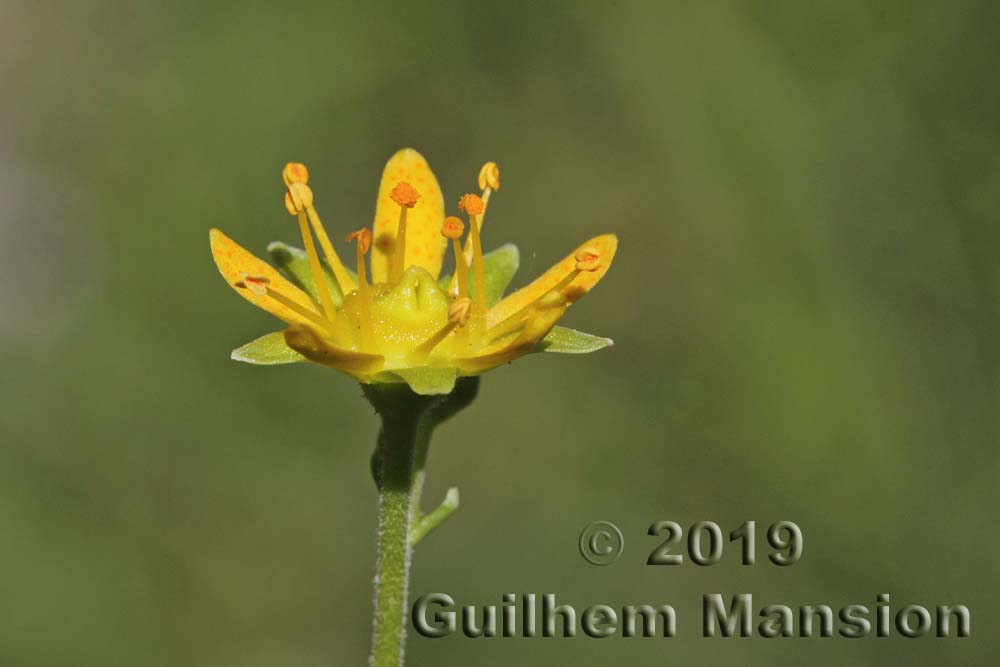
(805, 307)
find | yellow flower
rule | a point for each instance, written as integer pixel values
(398, 321)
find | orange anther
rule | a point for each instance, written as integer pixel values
(364, 238)
(256, 284)
(489, 175)
(587, 259)
(471, 204)
(404, 194)
(295, 172)
(453, 228)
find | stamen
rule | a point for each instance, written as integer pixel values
(473, 206)
(517, 321)
(453, 228)
(458, 316)
(295, 172)
(256, 284)
(298, 199)
(344, 278)
(587, 259)
(364, 238)
(489, 177)
(406, 196)
(489, 180)
(260, 286)
(459, 311)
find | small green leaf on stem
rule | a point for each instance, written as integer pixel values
(431, 521)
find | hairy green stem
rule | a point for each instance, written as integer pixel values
(397, 442)
(408, 421)
(392, 569)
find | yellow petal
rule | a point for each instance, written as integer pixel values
(234, 261)
(606, 245)
(304, 340)
(424, 244)
(539, 321)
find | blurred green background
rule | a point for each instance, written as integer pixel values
(805, 307)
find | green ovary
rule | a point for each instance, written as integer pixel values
(403, 316)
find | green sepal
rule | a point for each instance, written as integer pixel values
(293, 263)
(425, 381)
(268, 350)
(499, 267)
(571, 341)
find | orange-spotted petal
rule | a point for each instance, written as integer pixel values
(425, 247)
(605, 246)
(304, 340)
(236, 262)
(538, 321)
